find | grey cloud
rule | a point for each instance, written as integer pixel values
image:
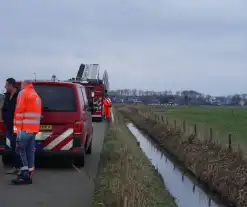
(166, 44)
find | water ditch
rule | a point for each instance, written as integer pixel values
(184, 188)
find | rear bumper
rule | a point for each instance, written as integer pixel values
(46, 153)
(4, 149)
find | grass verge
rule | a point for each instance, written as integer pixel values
(126, 177)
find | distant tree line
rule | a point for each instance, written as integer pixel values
(185, 97)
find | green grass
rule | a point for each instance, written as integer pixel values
(223, 119)
(127, 175)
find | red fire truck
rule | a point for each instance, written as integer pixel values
(88, 76)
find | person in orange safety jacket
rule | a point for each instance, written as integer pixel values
(26, 126)
(107, 107)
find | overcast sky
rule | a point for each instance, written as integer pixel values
(155, 45)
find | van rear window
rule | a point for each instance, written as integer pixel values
(57, 97)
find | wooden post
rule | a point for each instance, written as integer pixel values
(195, 129)
(239, 150)
(162, 118)
(209, 201)
(230, 141)
(167, 122)
(175, 124)
(125, 201)
(210, 134)
(184, 126)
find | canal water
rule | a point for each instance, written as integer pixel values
(186, 191)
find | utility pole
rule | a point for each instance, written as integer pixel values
(34, 76)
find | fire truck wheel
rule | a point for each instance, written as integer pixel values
(79, 160)
(89, 149)
(6, 159)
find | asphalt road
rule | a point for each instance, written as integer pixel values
(56, 183)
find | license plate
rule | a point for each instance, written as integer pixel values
(45, 127)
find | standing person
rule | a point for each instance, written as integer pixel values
(26, 125)
(8, 110)
(107, 107)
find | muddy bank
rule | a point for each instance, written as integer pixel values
(223, 171)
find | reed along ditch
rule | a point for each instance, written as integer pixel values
(184, 188)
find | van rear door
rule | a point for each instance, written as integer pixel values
(59, 114)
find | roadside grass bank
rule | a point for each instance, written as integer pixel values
(222, 120)
(126, 177)
(222, 170)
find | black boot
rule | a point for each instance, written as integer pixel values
(22, 179)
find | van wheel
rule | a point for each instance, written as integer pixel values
(6, 159)
(79, 160)
(89, 149)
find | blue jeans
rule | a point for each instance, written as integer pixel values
(25, 147)
(12, 137)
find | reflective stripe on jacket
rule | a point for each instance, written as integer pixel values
(28, 110)
(107, 102)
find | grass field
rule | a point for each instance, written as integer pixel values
(126, 177)
(223, 119)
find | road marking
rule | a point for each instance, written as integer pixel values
(76, 168)
(112, 116)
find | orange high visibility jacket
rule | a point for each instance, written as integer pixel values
(107, 102)
(28, 110)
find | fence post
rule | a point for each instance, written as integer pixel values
(184, 126)
(211, 134)
(125, 201)
(195, 129)
(167, 122)
(162, 118)
(175, 124)
(230, 141)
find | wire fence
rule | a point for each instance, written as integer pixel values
(200, 131)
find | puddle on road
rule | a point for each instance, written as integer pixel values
(183, 188)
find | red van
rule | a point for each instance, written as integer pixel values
(66, 124)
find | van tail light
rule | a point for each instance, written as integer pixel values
(78, 128)
(2, 127)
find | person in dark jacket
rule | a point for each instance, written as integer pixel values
(8, 111)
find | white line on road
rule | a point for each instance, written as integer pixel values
(76, 168)
(112, 116)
